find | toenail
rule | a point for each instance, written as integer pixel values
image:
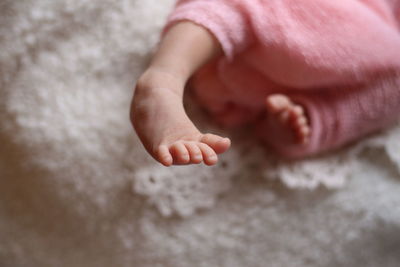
(298, 110)
(213, 157)
(223, 140)
(197, 156)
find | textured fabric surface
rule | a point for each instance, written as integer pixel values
(319, 53)
(77, 188)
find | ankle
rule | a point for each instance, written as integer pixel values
(155, 78)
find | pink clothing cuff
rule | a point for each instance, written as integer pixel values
(221, 18)
(318, 138)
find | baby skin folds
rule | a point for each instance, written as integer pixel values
(311, 76)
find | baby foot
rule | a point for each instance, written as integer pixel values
(166, 132)
(288, 120)
(192, 149)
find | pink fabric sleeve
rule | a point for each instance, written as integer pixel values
(225, 19)
(340, 116)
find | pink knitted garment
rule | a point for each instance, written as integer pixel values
(340, 59)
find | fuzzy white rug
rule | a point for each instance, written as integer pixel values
(77, 188)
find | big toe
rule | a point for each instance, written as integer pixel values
(217, 143)
(277, 103)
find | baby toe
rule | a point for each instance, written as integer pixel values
(217, 143)
(209, 155)
(296, 116)
(277, 103)
(284, 117)
(179, 153)
(194, 152)
(164, 156)
(303, 134)
(301, 121)
(297, 110)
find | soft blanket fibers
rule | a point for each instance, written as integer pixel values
(77, 189)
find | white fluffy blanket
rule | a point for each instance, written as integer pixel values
(77, 188)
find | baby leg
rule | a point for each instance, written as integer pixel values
(333, 117)
(157, 111)
(220, 98)
(233, 91)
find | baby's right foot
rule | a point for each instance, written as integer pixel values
(162, 125)
(287, 121)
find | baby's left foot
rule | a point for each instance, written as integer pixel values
(287, 121)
